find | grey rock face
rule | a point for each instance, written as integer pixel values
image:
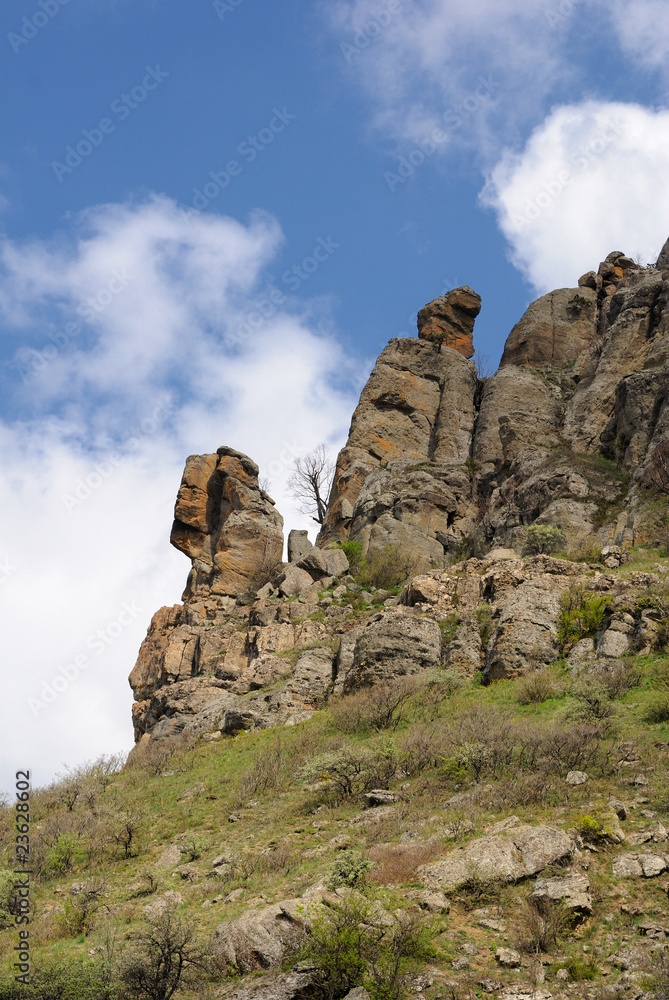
(554, 330)
(394, 645)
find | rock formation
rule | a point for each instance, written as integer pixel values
(437, 457)
(226, 524)
(451, 474)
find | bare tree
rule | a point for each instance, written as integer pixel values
(165, 956)
(311, 480)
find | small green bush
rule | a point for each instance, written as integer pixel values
(387, 568)
(483, 615)
(62, 979)
(354, 768)
(66, 855)
(581, 970)
(353, 552)
(349, 869)
(544, 538)
(658, 709)
(350, 947)
(582, 614)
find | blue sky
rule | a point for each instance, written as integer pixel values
(366, 157)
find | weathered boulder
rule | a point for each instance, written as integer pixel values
(526, 633)
(289, 986)
(571, 890)
(449, 320)
(226, 524)
(418, 406)
(518, 412)
(294, 581)
(259, 939)
(524, 851)
(636, 865)
(391, 646)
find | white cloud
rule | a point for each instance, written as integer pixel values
(423, 64)
(642, 28)
(590, 179)
(93, 450)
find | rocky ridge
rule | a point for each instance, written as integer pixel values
(439, 464)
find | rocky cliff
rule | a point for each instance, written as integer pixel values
(451, 475)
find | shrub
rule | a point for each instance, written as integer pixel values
(537, 687)
(590, 828)
(68, 852)
(544, 538)
(657, 981)
(483, 615)
(377, 707)
(80, 909)
(579, 970)
(658, 708)
(348, 948)
(593, 700)
(582, 614)
(541, 923)
(164, 957)
(353, 552)
(387, 568)
(353, 768)
(349, 869)
(421, 747)
(7, 902)
(62, 979)
(396, 864)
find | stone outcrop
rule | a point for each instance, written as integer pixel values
(449, 320)
(524, 851)
(226, 524)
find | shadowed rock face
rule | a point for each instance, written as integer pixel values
(449, 320)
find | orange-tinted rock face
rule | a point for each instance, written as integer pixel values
(449, 320)
(225, 523)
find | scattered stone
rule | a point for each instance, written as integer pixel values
(524, 991)
(170, 857)
(433, 902)
(508, 958)
(490, 985)
(359, 993)
(379, 797)
(460, 964)
(162, 904)
(576, 778)
(634, 865)
(619, 808)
